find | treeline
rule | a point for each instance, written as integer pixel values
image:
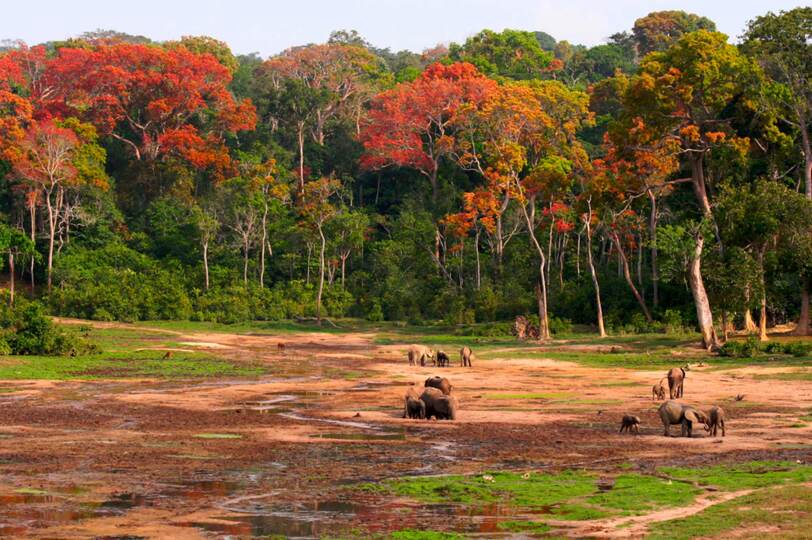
(660, 180)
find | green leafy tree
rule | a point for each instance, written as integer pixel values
(512, 54)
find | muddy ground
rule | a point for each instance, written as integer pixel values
(282, 453)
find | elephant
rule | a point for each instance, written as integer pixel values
(716, 419)
(439, 405)
(630, 424)
(658, 391)
(441, 383)
(466, 354)
(412, 395)
(676, 378)
(673, 412)
(419, 354)
(443, 360)
(415, 408)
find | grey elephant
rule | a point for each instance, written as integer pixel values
(420, 354)
(412, 403)
(716, 420)
(443, 384)
(630, 424)
(658, 391)
(676, 379)
(443, 360)
(439, 405)
(466, 354)
(673, 413)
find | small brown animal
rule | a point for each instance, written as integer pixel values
(630, 424)
(280, 347)
(167, 355)
(443, 360)
(716, 419)
(658, 390)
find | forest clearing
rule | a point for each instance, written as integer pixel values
(231, 437)
(502, 285)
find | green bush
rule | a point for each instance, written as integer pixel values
(749, 348)
(117, 283)
(25, 329)
(560, 326)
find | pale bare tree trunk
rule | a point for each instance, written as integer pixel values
(593, 272)
(762, 319)
(301, 138)
(11, 276)
(32, 209)
(321, 272)
(749, 325)
(697, 285)
(476, 249)
(804, 328)
(628, 276)
(655, 276)
(245, 248)
(541, 286)
(264, 240)
(578, 256)
(206, 262)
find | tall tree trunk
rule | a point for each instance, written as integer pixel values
(704, 314)
(476, 250)
(245, 244)
(32, 209)
(762, 319)
(264, 241)
(802, 329)
(578, 256)
(52, 217)
(206, 262)
(343, 267)
(11, 276)
(321, 272)
(655, 276)
(593, 272)
(301, 140)
(541, 287)
(628, 276)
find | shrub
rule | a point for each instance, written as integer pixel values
(26, 330)
(375, 313)
(749, 348)
(560, 326)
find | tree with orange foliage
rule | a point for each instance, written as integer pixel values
(413, 125)
(683, 97)
(53, 158)
(160, 103)
(524, 141)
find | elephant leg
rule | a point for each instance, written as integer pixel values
(723, 428)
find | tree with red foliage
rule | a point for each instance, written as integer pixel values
(156, 101)
(413, 125)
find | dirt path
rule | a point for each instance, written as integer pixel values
(169, 458)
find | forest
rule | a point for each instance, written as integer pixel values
(660, 182)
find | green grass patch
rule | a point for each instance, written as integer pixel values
(32, 491)
(636, 494)
(115, 365)
(524, 526)
(414, 534)
(788, 508)
(797, 375)
(754, 474)
(218, 436)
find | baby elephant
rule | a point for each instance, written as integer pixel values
(441, 383)
(630, 424)
(673, 413)
(466, 354)
(439, 405)
(658, 391)
(676, 380)
(443, 360)
(413, 407)
(716, 419)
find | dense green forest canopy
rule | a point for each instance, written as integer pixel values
(659, 180)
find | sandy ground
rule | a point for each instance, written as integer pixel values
(275, 455)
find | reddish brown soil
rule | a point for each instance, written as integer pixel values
(123, 457)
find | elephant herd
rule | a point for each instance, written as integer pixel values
(435, 400)
(673, 412)
(420, 354)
